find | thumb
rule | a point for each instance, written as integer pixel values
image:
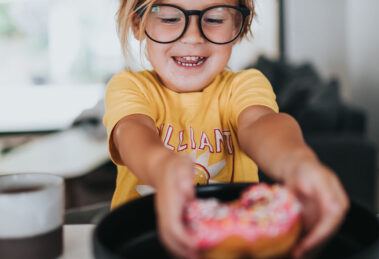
(186, 178)
(187, 187)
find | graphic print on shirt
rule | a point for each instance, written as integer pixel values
(222, 140)
(204, 172)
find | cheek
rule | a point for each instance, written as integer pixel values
(151, 53)
(156, 54)
(222, 53)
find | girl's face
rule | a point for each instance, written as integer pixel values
(191, 63)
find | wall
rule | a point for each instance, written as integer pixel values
(363, 59)
(340, 38)
(315, 32)
(265, 40)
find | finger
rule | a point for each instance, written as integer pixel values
(188, 191)
(177, 250)
(338, 189)
(186, 179)
(329, 221)
(343, 198)
(175, 235)
(179, 243)
(178, 233)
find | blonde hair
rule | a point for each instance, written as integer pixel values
(127, 15)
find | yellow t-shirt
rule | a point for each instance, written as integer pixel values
(202, 125)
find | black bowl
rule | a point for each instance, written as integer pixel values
(130, 230)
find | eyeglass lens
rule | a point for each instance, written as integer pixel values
(219, 24)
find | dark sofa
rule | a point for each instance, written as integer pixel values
(335, 130)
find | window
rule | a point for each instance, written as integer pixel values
(45, 42)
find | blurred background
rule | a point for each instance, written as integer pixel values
(56, 57)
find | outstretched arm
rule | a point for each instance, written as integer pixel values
(140, 148)
(275, 142)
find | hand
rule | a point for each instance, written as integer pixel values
(174, 189)
(324, 201)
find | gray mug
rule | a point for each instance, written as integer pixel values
(31, 216)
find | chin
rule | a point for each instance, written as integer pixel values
(189, 87)
(194, 83)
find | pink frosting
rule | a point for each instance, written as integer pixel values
(262, 211)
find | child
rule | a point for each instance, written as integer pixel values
(191, 121)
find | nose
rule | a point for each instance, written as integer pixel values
(192, 35)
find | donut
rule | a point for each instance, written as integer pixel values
(265, 222)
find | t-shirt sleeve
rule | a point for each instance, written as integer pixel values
(250, 87)
(125, 95)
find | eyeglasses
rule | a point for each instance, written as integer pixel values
(220, 24)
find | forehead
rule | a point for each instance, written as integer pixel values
(197, 4)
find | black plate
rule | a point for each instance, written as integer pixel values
(130, 230)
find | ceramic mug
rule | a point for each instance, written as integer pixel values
(31, 216)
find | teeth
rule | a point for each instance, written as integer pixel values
(199, 59)
(190, 64)
(191, 58)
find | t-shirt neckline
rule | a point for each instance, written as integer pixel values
(207, 89)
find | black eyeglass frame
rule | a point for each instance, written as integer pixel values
(242, 9)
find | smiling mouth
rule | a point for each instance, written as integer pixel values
(189, 61)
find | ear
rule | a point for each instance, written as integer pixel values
(136, 21)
